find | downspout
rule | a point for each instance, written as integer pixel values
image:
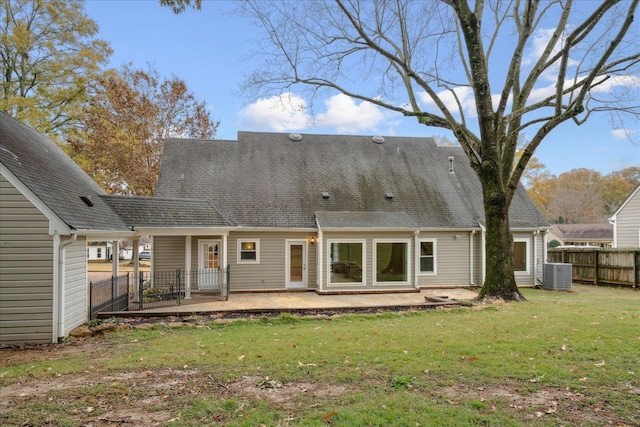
(416, 248)
(483, 230)
(61, 284)
(471, 269)
(535, 255)
(319, 258)
(613, 221)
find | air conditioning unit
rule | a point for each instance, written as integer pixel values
(557, 276)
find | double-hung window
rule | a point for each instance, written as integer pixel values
(427, 255)
(248, 251)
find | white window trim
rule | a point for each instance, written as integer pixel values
(248, 261)
(407, 242)
(364, 263)
(435, 257)
(527, 242)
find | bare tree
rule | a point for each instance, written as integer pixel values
(487, 71)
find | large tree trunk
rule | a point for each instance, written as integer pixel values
(500, 281)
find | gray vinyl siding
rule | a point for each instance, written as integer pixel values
(452, 259)
(369, 268)
(270, 273)
(26, 263)
(168, 253)
(477, 259)
(75, 295)
(628, 224)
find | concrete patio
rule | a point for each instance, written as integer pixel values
(308, 301)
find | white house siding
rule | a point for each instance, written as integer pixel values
(526, 278)
(270, 273)
(75, 291)
(452, 259)
(26, 265)
(628, 224)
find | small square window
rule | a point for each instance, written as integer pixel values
(248, 251)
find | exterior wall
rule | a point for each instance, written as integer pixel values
(270, 273)
(477, 259)
(535, 260)
(452, 259)
(168, 253)
(75, 294)
(628, 224)
(369, 239)
(26, 262)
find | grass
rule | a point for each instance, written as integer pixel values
(563, 358)
(123, 267)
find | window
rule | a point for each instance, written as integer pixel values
(521, 255)
(392, 262)
(248, 251)
(427, 256)
(346, 262)
(99, 252)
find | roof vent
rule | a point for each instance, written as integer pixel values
(451, 164)
(388, 195)
(87, 200)
(295, 137)
(325, 195)
(378, 139)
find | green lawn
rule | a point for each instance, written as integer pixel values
(563, 358)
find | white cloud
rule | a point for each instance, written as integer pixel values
(464, 94)
(626, 81)
(621, 133)
(278, 113)
(348, 116)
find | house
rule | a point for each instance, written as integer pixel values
(596, 235)
(335, 213)
(49, 208)
(626, 222)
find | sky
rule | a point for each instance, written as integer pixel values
(211, 51)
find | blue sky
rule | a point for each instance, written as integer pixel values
(210, 50)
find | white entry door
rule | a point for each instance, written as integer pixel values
(296, 264)
(209, 265)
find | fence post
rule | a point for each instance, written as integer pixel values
(595, 279)
(178, 285)
(141, 291)
(90, 300)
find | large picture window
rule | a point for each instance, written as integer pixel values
(392, 262)
(427, 256)
(521, 255)
(248, 251)
(346, 262)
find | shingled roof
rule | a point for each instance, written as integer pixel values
(54, 178)
(165, 212)
(272, 180)
(599, 231)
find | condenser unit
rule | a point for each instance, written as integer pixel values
(556, 276)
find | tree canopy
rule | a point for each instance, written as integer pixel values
(124, 125)
(48, 53)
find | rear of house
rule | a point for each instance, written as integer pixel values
(335, 213)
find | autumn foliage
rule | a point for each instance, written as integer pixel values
(127, 118)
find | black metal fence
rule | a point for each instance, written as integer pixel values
(162, 288)
(110, 294)
(157, 289)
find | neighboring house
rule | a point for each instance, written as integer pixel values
(102, 251)
(626, 222)
(49, 207)
(597, 235)
(335, 213)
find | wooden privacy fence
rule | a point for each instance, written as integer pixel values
(601, 266)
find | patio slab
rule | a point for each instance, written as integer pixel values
(307, 301)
